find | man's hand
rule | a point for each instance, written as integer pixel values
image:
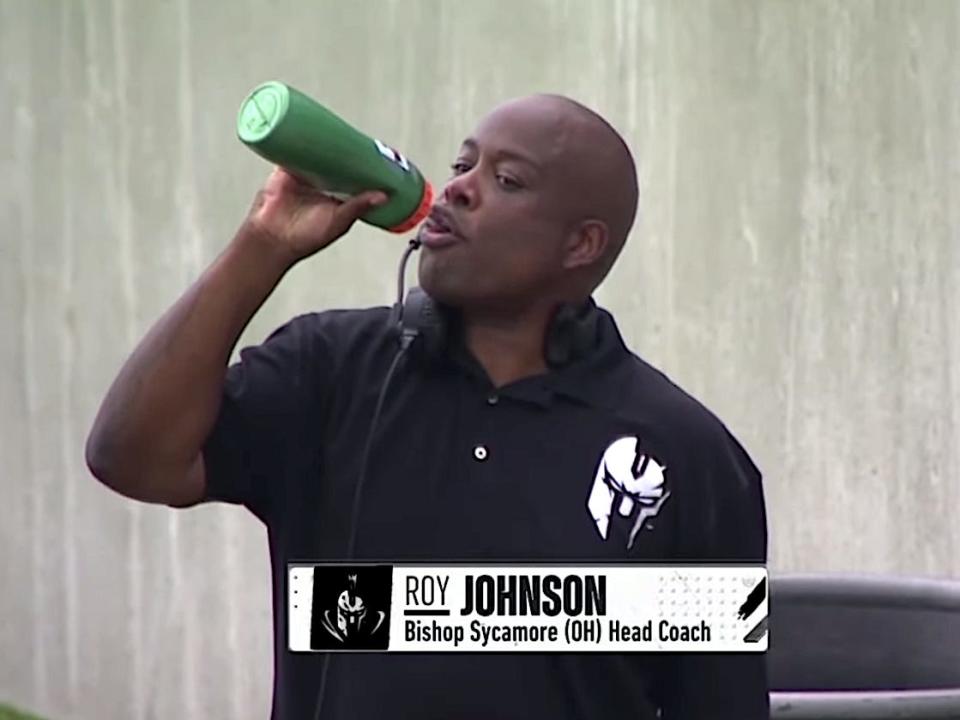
(299, 220)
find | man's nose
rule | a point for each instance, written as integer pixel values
(461, 191)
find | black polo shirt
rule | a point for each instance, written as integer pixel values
(460, 470)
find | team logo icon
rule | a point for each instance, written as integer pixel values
(630, 482)
(351, 608)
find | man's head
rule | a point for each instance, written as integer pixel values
(543, 194)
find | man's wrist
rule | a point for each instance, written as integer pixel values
(260, 247)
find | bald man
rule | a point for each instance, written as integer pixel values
(504, 437)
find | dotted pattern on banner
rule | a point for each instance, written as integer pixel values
(699, 594)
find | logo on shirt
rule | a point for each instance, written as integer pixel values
(629, 481)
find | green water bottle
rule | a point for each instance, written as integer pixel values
(289, 129)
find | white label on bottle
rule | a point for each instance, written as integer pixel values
(391, 154)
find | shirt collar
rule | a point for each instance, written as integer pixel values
(588, 379)
(591, 378)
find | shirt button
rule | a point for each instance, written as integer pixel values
(493, 400)
(480, 453)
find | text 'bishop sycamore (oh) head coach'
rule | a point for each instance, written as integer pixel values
(487, 443)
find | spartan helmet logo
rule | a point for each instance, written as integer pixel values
(630, 481)
(353, 619)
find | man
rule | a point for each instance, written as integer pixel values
(487, 450)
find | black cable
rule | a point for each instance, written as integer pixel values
(414, 244)
(358, 489)
(357, 493)
(407, 336)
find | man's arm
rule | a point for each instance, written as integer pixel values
(146, 441)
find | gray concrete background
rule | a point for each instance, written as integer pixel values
(796, 266)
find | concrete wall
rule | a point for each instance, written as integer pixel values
(796, 266)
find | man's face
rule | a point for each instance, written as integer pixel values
(505, 205)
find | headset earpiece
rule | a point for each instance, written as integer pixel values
(423, 326)
(572, 333)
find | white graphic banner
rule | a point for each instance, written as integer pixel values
(526, 608)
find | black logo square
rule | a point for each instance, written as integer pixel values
(351, 607)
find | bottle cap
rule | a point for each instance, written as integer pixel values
(260, 112)
(418, 215)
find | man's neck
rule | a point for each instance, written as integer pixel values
(509, 348)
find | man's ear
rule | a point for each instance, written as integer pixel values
(586, 245)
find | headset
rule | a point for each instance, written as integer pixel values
(422, 332)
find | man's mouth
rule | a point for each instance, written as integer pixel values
(440, 229)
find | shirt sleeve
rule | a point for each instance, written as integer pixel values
(723, 520)
(270, 397)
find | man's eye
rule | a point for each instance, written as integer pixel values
(508, 182)
(459, 168)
